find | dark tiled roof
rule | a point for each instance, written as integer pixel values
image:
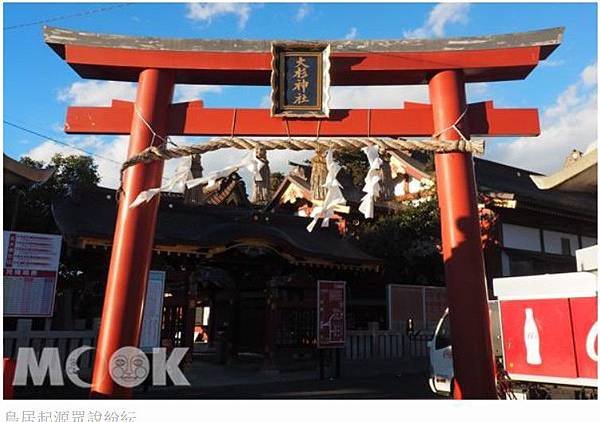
(228, 186)
(498, 177)
(92, 213)
(19, 174)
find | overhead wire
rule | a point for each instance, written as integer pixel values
(41, 135)
(51, 139)
(73, 15)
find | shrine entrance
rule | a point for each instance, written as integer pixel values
(300, 110)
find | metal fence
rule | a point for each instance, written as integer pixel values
(385, 345)
(360, 344)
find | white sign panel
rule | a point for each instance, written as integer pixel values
(153, 309)
(30, 271)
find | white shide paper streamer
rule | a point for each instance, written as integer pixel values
(372, 181)
(182, 173)
(334, 195)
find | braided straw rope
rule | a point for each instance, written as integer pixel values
(154, 153)
(295, 144)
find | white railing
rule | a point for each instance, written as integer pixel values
(65, 341)
(384, 344)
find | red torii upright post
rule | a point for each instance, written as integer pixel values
(446, 65)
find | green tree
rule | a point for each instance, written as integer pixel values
(354, 162)
(35, 212)
(408, 243)
(276, 179)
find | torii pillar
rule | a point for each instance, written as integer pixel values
(132, 243)
(446, 65)
(461, 243)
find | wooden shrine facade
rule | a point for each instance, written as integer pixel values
(256, 271)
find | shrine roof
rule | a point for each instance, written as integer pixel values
(353, 62)
(492, 176)
(91, 212)
(19, 174)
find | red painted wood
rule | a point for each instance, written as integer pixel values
(134, 235)
(192, 119)
(461, 246)
(254, 68)
(584, 314)
(9, 366)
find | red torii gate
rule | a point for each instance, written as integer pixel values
(445, 65)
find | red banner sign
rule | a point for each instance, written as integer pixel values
(331, 313)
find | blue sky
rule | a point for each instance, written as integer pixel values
(38, 86)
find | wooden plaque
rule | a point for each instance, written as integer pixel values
(300, 80)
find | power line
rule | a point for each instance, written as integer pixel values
(41, 135)
(74, 15)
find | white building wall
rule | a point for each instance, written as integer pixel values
(521, 237)
(553, 242)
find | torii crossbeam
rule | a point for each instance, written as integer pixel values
(446, 65)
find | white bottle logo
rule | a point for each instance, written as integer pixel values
(532, 339)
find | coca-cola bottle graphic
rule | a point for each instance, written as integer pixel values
(532, 339)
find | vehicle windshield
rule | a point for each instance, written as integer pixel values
(443, 338)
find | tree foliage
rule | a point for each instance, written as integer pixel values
(34, 209)
(276, 179)
(355, 163)
(408, 243)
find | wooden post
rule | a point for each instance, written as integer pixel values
(461, 245)
(134, 234)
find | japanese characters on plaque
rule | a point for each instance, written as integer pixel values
(300, 80)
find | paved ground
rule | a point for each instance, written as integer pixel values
(359, 380)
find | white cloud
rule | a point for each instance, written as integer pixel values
(97, 93)
(107, 151)
(440, 16)
(205, 12)
(570, 123)
(551, 63)
(589, 75)
(377, 96)
(193, 92)
(569, 98)
(265, 101)
(392, 96)
(303, 11)
(100, 93)
(114, 148)
(351, 34)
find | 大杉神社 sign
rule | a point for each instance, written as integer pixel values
(300, 80)
(331, 313)
(30, 271)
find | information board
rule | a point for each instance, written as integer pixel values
(30, 272)
(153, 310)
(331, 313)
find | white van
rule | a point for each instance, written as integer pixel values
(441, 371)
